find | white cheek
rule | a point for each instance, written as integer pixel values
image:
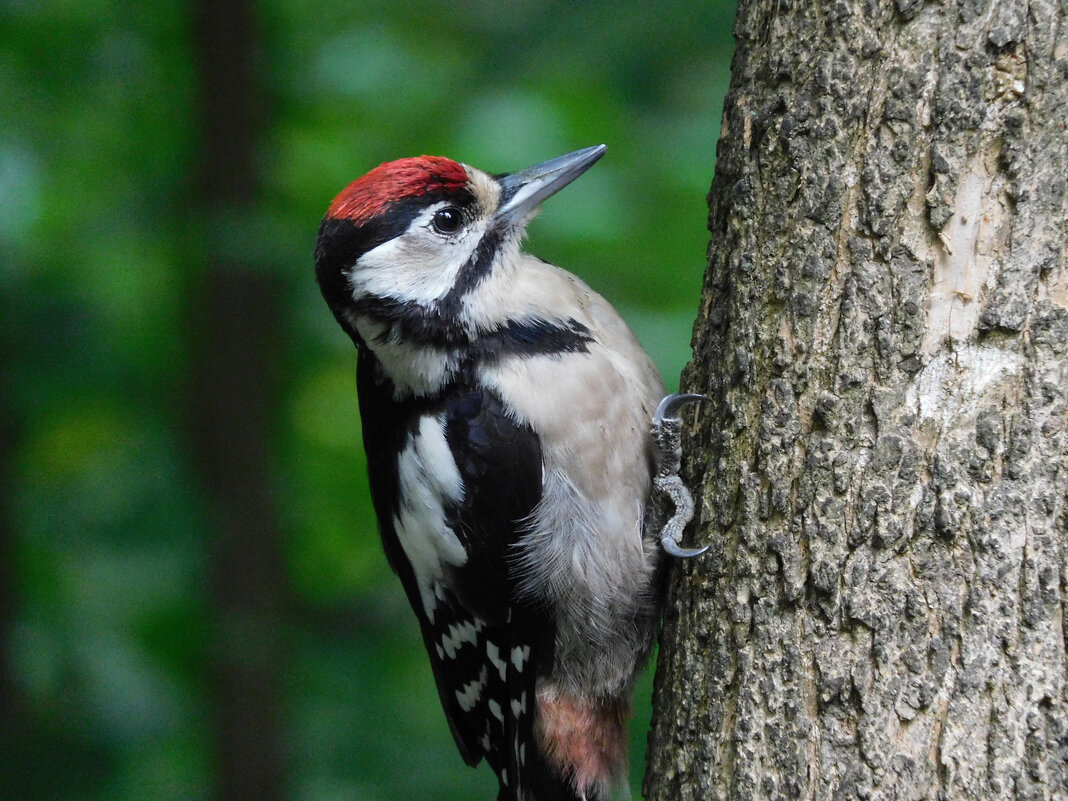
(417, 266)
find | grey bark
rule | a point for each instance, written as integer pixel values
(882, 466)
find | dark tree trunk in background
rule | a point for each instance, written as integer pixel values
(234, 320)
(9, 694)
(883, 465)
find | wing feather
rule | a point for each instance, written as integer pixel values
(486, 646)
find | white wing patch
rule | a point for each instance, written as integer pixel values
(428, 478)
(520, 654)
(493, 653)
(457, 635)
(471, 694)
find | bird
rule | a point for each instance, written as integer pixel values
(522, 460)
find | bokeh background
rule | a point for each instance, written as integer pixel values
(193, 600)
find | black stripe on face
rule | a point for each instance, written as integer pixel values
(341, 242)
(478, 266)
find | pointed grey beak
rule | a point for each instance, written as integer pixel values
(522, 191)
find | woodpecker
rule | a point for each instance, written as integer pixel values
(521, 463)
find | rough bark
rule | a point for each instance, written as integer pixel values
(882, 466)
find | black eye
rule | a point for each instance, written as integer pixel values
(448, 220)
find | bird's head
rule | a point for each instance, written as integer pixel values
(411, 238)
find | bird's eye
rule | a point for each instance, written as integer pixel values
(447, 220)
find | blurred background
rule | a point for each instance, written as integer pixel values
(193, 600)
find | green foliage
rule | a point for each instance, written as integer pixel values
(98, 231)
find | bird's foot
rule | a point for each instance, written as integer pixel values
(667, 432)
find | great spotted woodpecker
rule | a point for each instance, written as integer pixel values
(519, 486)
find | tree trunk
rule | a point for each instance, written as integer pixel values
(882, 467)
(236, 308)
(10, 430)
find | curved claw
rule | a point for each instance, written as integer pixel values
(671, 405)
(667, 432)
(672, 548)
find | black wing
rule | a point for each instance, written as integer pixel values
(501, 466)
(485, 646)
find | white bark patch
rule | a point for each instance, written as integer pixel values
(1055, 288)
(965, 263)
(954, 384)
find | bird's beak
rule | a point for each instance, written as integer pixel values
(522, 191)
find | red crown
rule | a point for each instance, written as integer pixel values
(387, 183)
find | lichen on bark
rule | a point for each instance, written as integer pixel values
(883, 464)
